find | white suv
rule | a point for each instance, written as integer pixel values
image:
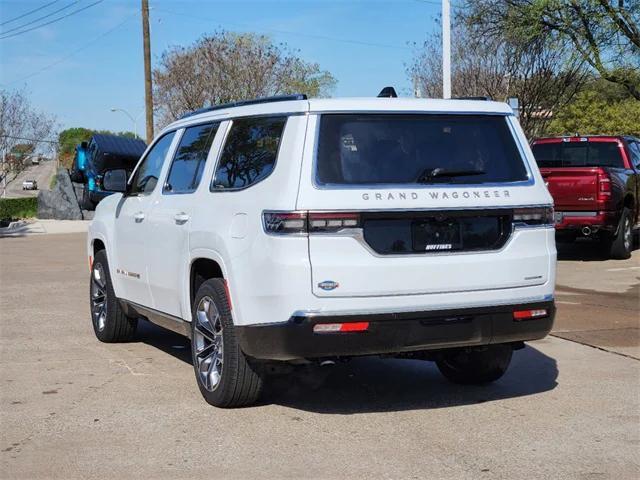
(294, 230)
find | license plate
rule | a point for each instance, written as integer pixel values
(557, 216)
(435, 236)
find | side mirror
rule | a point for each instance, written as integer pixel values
(115, 180)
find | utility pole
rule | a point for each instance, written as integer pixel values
(148, 93)
(4, 173)
(446, 49)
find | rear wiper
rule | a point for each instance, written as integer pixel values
(431, 173)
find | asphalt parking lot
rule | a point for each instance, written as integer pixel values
(71, 407)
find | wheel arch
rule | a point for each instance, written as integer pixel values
(204, 266)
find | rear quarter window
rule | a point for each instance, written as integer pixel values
(250, 152)
(366, 149)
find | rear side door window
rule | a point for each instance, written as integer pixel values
(189, 160)
(250, 152)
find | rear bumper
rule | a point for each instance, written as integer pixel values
(390, 333)
(599, 220)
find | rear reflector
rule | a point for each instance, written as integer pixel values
(341, 327)
(529, 314)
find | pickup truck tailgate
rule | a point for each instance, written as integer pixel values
(572, 188)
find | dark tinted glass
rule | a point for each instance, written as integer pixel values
(578, 154)
(146, 176)
(250, 152)
(375, 148)
(634, 148)
(190, 158)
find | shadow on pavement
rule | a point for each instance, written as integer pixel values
(169, 342)
(382, 385)
(585, 250)
(372, 384)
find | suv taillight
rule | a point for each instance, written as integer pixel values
(604, 186)
(533, 216)
(297, 223)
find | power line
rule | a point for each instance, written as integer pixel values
(28, 13)
(66, 57)
(19, 27)
(53, 21)
(288, 32)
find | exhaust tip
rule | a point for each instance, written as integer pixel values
(586, 231)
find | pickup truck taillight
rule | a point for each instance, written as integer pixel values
(301, 223)
(604, 185)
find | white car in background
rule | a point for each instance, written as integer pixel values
(29, 185)
(288, 230)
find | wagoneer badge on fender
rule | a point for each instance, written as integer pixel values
(328, 285)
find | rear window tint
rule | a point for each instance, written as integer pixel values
(574, 154)
(417, 148)
(249, 154)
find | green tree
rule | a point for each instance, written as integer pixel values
(69, 138)
(604, 34)
(591, 114)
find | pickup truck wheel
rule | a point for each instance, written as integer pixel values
(110, 323)
(478, 365)
(225, 376)
(621, 245)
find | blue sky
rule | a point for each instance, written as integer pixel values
(81, 67)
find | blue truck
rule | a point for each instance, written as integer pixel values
(101, 153)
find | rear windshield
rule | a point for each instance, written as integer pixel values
(417, 148)
(574, 154)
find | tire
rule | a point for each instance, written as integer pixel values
(77, 176)
(475, 366)
(86, 203)
(619, 247)
(110, 323)
(225, 376)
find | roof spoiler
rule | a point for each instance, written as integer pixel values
(388, 92)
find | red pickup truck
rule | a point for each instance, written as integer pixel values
(595, 184)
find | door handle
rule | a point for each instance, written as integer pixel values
(138, 217)
(181, 218)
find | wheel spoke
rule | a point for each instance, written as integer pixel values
(209, 336)
(206, 351)
(208, 343)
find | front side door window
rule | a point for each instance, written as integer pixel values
(145, 178)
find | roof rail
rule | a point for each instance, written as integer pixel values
(483, 98)
(241, 103)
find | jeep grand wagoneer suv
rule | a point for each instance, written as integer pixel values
(295, 230)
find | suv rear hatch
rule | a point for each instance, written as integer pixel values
(398, 203)
(574, 170)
